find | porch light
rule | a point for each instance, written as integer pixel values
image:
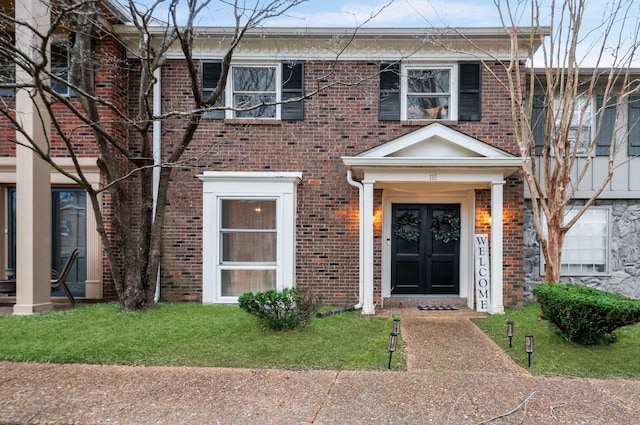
(510, 331)
(528, 346)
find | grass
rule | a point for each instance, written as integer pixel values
(555, 356)
(196, 335)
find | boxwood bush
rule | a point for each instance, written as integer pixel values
(280, 311)
(586, 315)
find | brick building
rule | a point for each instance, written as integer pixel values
(375, 188)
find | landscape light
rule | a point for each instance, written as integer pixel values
(528, 346)
(510, 331)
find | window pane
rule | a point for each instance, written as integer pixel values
(254, 79)
(249, 214)
(249, 247)
(580, 123)
(429, 81)
(237, 282)
(60, 66)
(432, 107)
(252, 101)
(585, 248)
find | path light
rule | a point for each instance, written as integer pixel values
(393, 337)
(528, 346)
(510, 331)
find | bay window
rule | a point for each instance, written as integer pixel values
(248, 233)
(248, 251)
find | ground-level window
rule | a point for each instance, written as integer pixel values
(586, 244)
(248, 233)
(68, 231)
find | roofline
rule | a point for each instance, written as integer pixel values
(383, 32)
(118, 9)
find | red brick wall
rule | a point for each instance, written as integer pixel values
(341, 121)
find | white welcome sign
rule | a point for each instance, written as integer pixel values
(483, 278)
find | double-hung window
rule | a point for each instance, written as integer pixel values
(256, 91)
(248, 245)
(586, 245)
(248, 233)
(60, 61)
(596, 124)
(580, 123)
(430, 92)
(7, 64)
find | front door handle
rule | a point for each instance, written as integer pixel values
(429, 252)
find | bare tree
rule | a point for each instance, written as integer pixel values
(121, 128)
(579, 75)
(134, 247)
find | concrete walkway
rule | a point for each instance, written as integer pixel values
(456, 376)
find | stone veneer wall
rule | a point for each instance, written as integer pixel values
(624, 266)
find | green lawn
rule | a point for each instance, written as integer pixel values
(196, 335)
(554, 355)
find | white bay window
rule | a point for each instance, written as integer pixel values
(248, 233)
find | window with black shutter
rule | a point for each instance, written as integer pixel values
(430, 92)
(389, 92)
(469, 99)
(634, 126)
(292, 88)
(606, 119)
(254, 90)
(538, 118)
(210, 75)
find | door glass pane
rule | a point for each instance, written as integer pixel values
(68, 231)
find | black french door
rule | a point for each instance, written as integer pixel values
(425, 252)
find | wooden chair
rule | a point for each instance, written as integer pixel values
(58, 279)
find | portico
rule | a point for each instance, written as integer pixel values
(434, 167)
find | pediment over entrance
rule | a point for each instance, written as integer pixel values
(431, 147)
(435, 141)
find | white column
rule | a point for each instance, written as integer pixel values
(33, 185)
(366, 215)
(496, 306)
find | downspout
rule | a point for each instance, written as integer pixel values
(157, 139)
(357, 184)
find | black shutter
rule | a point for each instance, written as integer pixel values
(634, 126)
(210, 75)
(469, 99)
(292, 87)
(538, 118)
(608, 117)
(389, 92)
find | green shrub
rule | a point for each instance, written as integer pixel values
(280, 311)
(586, 315)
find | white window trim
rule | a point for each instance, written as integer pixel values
(404, 81)
(230, 113)
(218, 185)
(607, 271)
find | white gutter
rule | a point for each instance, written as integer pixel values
(360, 239)
(157, 158)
